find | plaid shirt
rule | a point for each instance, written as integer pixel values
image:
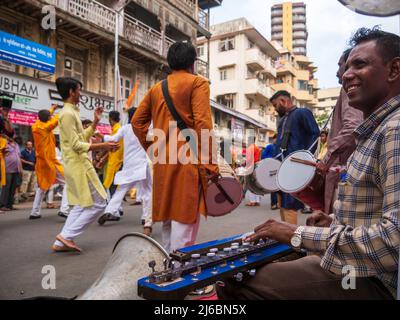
(365, 232)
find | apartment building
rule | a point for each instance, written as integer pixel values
(296, 74)
(242, 72)
(327, 99)
(289, 26)
(84, 40)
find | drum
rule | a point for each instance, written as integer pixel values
(128, 263)
(263, 178)
(224, 194)
(298, 176)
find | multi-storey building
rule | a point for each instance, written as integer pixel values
(289, 27)
(295, 74)
(241, 74)
(84, 40)
(327, 99)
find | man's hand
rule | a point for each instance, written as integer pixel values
(97, 114)
(111, 146)
(272, 229)
(322, 167)
(319, 219)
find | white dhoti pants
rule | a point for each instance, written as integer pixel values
(253, 197)
(37, 202)
(80, 218)
(176, 235)
(145, 194)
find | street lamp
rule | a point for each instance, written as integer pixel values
(118, 9)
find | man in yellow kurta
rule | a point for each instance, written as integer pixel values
(115, 158)
(84, 189)
(48, 169)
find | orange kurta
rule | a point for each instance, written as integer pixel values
(177, 194)
(3, 146)
(47, 165)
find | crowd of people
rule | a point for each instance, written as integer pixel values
(358, 157)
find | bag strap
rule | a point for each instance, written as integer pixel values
(180, 122)
(287, 130)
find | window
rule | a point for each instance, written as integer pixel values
(226, 44)
(73, 68)
(228, 100)
(227, 73)
(251, 73)
(200, 51)
(126, 86)
(302, 85)
(250, 103)
(251, 45)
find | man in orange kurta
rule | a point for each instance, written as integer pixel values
(178, 199)
(48, 169)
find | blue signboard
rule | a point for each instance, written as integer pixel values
(27, 53)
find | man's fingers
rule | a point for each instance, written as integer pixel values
(268, 222)
(310, 221)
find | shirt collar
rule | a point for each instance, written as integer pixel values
(376, 118)
(70, 105)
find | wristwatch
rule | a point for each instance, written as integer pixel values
(295, 241)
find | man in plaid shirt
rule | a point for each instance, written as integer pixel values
(363, 234)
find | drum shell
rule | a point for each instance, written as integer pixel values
(127, 264)
(254, 185)
(312, 191)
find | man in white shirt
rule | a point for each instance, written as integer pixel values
(135, 173)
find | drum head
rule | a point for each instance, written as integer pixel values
(128, 263)
(265, 174)
(294, 177)
(216, 202)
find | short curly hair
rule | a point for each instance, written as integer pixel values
(388, 43)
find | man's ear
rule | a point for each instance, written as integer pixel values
(394, 70)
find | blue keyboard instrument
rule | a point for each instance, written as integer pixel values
(197, 266)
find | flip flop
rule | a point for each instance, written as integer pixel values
(68, 243)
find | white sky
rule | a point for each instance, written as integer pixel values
(329, 25)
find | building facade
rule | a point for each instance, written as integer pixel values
(242, 73)
(289, 26)
(84, 38)
(296, 74)
(327, 99)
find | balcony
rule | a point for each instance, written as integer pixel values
(133, 31)
(276, 13)
(270, 121)
(270, 69)
(299, 18)
(186, 6)
(90, 11)
(284, 86)
(202, 69)
(284, 67)
(254, 87)
(304, 95)
(255, 59)
(299, 27)
(299, 35)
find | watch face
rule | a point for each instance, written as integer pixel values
(295, 241)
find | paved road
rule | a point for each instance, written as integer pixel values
(25, 247)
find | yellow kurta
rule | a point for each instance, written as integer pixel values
(3, 146)
(78, 168)
(115, 160)
(46, 165)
